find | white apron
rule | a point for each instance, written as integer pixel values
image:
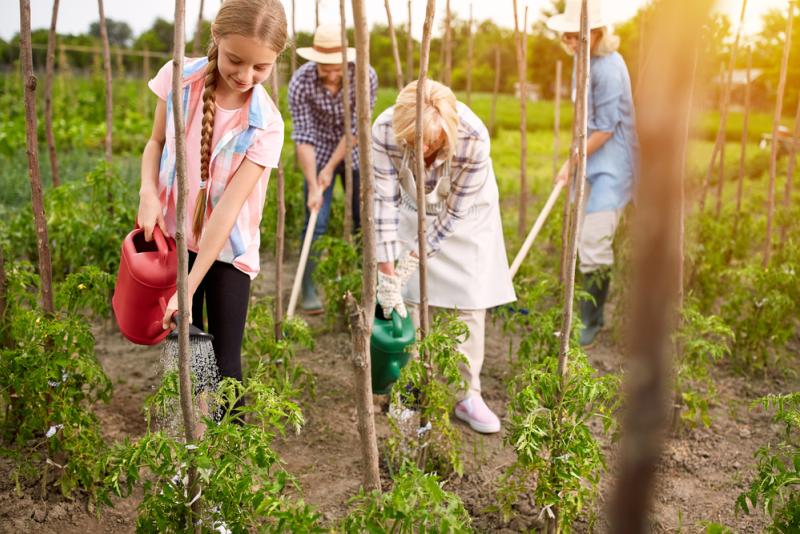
(470, 271)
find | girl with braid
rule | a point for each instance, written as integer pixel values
(234, 135)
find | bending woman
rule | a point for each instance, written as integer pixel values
(467, 264)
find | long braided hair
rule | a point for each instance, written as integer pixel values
(263, 20)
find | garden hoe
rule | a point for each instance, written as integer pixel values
(301, 265)
(537, 226)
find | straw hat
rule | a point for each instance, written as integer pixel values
(570, 19)
(327, 47)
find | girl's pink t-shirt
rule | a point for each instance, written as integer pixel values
(265, 150)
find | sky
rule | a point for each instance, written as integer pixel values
(76, 15)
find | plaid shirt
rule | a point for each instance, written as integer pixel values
(469, 171)
(318, 116)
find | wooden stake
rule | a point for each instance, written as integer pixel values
(419, 171)
(787, 194)
(4, 341)
(557, 118)
(398, 66)
(495, 90)
(776, 122)
(678, 394)
(655, 260)
(280, 227)
(470, 46)
(723, 121)
(316, 14)
(362, 325)
(410, 47)
(294, 40)
(719, 145)
(184, 306)
(745, 127)
(145, 78)
(196, 44)
(107, 70)
(48, 96)
(32, 143)
(447, 76)
(521, 40)
(348, 132)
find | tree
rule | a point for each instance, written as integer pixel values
(119, 33)
(158, 38)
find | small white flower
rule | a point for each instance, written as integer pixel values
(52, 431)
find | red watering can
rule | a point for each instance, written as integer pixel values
(146, 279)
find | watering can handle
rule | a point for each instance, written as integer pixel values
(397, 324)
(161, 244)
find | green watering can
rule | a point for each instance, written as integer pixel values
(387, 349)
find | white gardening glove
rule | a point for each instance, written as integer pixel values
(406, 266)
(389, 296)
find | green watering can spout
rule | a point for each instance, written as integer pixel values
(388, 343)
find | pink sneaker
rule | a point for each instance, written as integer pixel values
(477, 415)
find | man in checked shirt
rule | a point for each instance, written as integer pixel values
(317, 108)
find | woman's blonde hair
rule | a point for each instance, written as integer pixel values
(439, 114)
(608, 43)
(263, 20)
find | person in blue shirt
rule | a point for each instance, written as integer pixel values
(612, 150)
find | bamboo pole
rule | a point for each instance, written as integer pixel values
(447, 77)
(316, 13)
(398, 66)
(787, 194)
(470, 51)
(495, 91)
(145, 79)
(410, 47)
(32, 144)
(745, 127)
(521, 42)
(419, 172)
(655, 261)
(348, 132)
(48, 96)
(719, 145)
(726, 103)
(107, 69)
(582, 81)
(184, 306)
(557, 118)
(773, 162)
(362, 326)
(294, 39)
(196, 44)
(98, 50)
(678, 394)
(120, 63)
(280, 227)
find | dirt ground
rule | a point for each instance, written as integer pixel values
(701, 473)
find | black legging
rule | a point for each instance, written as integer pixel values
(226, 291)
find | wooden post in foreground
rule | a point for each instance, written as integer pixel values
(107, 70)
(776, 121)
(280, 227)
(655, 261)
(523, 119)
(362, 316)
(48, 96)
(398, 66)
(184, 306)
(31, 140)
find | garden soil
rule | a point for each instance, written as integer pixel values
(701, 473)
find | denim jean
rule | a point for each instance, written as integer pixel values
(325, 211)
